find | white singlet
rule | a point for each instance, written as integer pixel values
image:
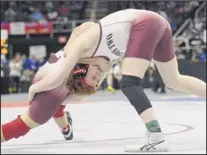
(115, 31)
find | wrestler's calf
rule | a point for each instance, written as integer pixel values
(130, 86)
(60, 118)
(14, 129)
(23, 124)
(17, 128)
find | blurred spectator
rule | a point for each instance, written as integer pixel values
(22, 17)
(15, 72)
(43, 60)
(114, 77)
(2, 15)
(200, 55)
(75, 8)
(31, 63)
(50, 12)
(30, 66)
(26, 7)
(4, 75)
(10, 15)
(35, 11)
(163, 13)
(174, 12)
(158, 84)
(37, 15)
(83, 9)
(23, 58)
(117, 74)
(192, 40)
(64, 10)
(4, 66)
(112, 6)
(109, 81)
(24, 11)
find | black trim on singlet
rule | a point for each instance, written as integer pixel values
(99, 39)
(100, 28)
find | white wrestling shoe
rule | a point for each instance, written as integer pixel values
(155, 142)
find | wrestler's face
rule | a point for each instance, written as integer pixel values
(93, 76)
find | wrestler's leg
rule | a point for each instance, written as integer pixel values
(42, 108)
(60, 117)
(64, 121)
(167, 65)
(143, 40)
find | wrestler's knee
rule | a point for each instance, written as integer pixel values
(129, 68)
(128, 84)
(131, 88)
(17, 128)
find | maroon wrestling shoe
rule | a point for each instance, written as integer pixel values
(68, 131)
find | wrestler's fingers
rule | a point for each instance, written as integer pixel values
(30, 98)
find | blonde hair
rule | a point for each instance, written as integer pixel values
(77, 89)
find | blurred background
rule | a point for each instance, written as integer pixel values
(32, 30)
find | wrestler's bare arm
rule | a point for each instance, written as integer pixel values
(75, 50)
(53, 79)
(79, 30)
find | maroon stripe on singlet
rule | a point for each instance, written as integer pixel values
(99, 39)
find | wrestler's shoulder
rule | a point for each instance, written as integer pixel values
(90, 36)
(84, 30)
(87, 24)
(84, 26)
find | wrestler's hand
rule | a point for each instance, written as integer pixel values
(31, 95)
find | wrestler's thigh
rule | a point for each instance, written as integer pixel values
(164, 51)
(143, 39)
(44, 106)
